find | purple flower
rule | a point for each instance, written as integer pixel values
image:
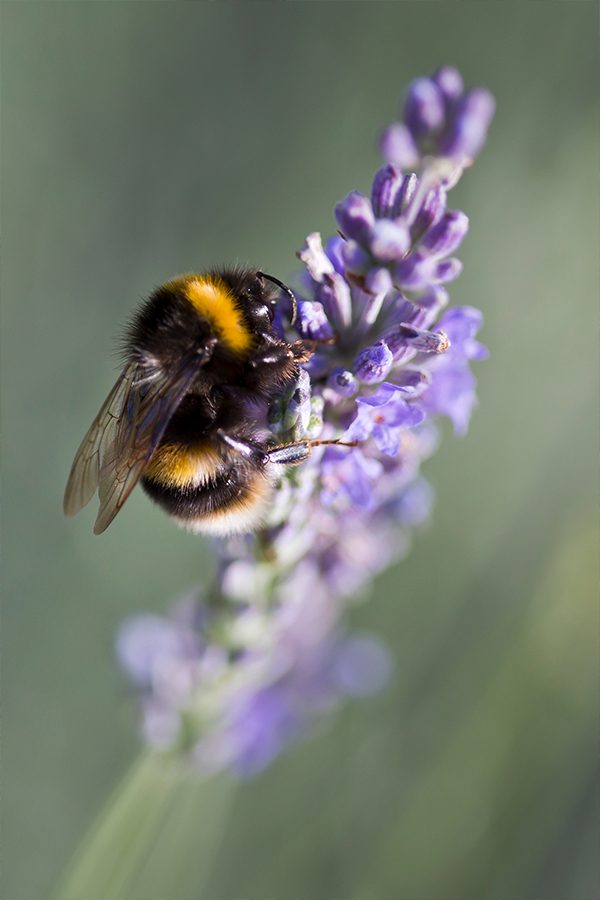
(334, 294)
(391, 191)
(439, 119)
(467, 130)
(347, 478)
(450, 83)
(420, 271)
(446, 235)
(355, 217)
(401, 237)
(452, 389)
(452, 394)
(389, 240)
(378, 281)
(259, 727)
(429, 211)
(461, 324)
(229, 682)
(147, 642)
(343, 382)
(398, 146)
(373, 363)
(425, 108)
(382, 416)
(404, 337)
(312, 321)
(333, 250)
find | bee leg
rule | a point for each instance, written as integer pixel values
(286, 455)
(292, 454)
(304, 349)
(275, 356)
(244, 448)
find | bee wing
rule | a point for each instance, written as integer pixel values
(148, 408)
(85, 471)
(124, 435)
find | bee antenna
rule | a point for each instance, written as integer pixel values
(285, 288)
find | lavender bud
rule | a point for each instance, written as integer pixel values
(404, 336)
(432, 209)
(412, 381)
(144, 642)
(343, 382)
(387, 185)
(447, 234)
(390, 241)
(356, 259)
(433, 299)
(406, 194)
(468, 130)
(314, 258)
(401, 311)
(427, 307)
(335, 297)
(418, 272)
(424, 108)
(312, 321)
(378, 281)
(334, 250)
(447, 270)
(373, 363)
(355, 217)
(449, 81)
(413, 273)
(397, 146)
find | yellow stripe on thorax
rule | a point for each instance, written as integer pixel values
(213, 300)
(175, 465)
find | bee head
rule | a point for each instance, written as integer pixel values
(258, 293)
(262, 277)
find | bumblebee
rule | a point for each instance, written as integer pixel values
(187, 415)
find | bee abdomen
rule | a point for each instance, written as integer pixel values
(231, 500)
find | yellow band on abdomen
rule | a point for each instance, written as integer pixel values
(174, 465)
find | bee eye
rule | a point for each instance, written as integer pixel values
(284, 288)
(265, 309)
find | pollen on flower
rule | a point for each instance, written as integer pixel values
(444, 342)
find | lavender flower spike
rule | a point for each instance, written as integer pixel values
(230, 676)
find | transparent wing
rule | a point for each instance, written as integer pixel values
(124, 435)
(149, 407)
(85, 471)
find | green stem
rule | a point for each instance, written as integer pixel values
(147, 840)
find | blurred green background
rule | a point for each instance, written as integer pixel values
(145, 139)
